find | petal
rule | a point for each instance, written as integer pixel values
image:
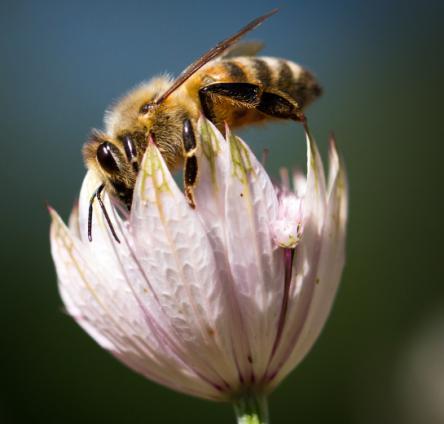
(172, 246)
(112, 318)
(73, 222)
(214, 166)
(315, 196)
(256, 263)
(286, 230)
(334, 163)
(306, 261)
(331, 263)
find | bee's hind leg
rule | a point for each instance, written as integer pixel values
(274, 104)
(277, 106)
(241, 94)
(190, 166)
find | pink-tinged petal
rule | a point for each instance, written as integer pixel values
(77, 282)
(286, 233)
(331, 263)
(104, 314)
(315, 195)
(334, 164)
(173, 248)
(306, 260)
(214, 166)
(73, 221)
(212, 300)
(287, 228)
(126, 276)
(71, 275)
(256, 262)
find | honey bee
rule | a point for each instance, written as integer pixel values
(228, 85)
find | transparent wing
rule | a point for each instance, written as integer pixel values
(216, 51)
(243, 48)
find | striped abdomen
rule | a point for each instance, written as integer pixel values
(276, 75)
(272, 75)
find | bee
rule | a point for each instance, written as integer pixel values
(228, 85)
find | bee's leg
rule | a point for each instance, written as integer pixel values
(190, 166)
(277, 106)
(240, 93)
(130, 151)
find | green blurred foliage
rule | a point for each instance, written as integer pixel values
(381, 65)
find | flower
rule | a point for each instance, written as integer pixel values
(216, 301)
(287, 228)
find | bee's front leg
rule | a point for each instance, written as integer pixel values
(190, 166)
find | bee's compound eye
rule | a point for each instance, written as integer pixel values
(106, 158)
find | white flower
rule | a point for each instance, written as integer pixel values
(205, 300)
(287, 228)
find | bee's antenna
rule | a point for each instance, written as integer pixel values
(90, 215)
(105, 213)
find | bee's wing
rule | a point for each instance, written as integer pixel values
(243, 48)
(211, 54)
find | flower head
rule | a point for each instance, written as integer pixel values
(212, 301)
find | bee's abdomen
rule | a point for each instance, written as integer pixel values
(274, 75)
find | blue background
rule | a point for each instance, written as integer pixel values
(63, 63)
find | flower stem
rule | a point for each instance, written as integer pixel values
(251, 408)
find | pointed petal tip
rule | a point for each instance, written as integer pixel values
(56, 224)
(201, 119)
(304, 123)
(332, 141)
(49, 208)
(338, 182)
(227, 131)
(308, 136)
(52, 213)
(151, 154)
(152, 144)
(333, 159)
(336, 157)
(337, 169)
(154, 179)
(314, 161)
(334, 151)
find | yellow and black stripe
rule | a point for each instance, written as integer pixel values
(244, 90)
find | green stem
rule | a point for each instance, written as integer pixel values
(251, 408)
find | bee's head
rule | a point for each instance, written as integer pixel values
(116, 161)
(115, 155)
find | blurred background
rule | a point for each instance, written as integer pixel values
(380, 358)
